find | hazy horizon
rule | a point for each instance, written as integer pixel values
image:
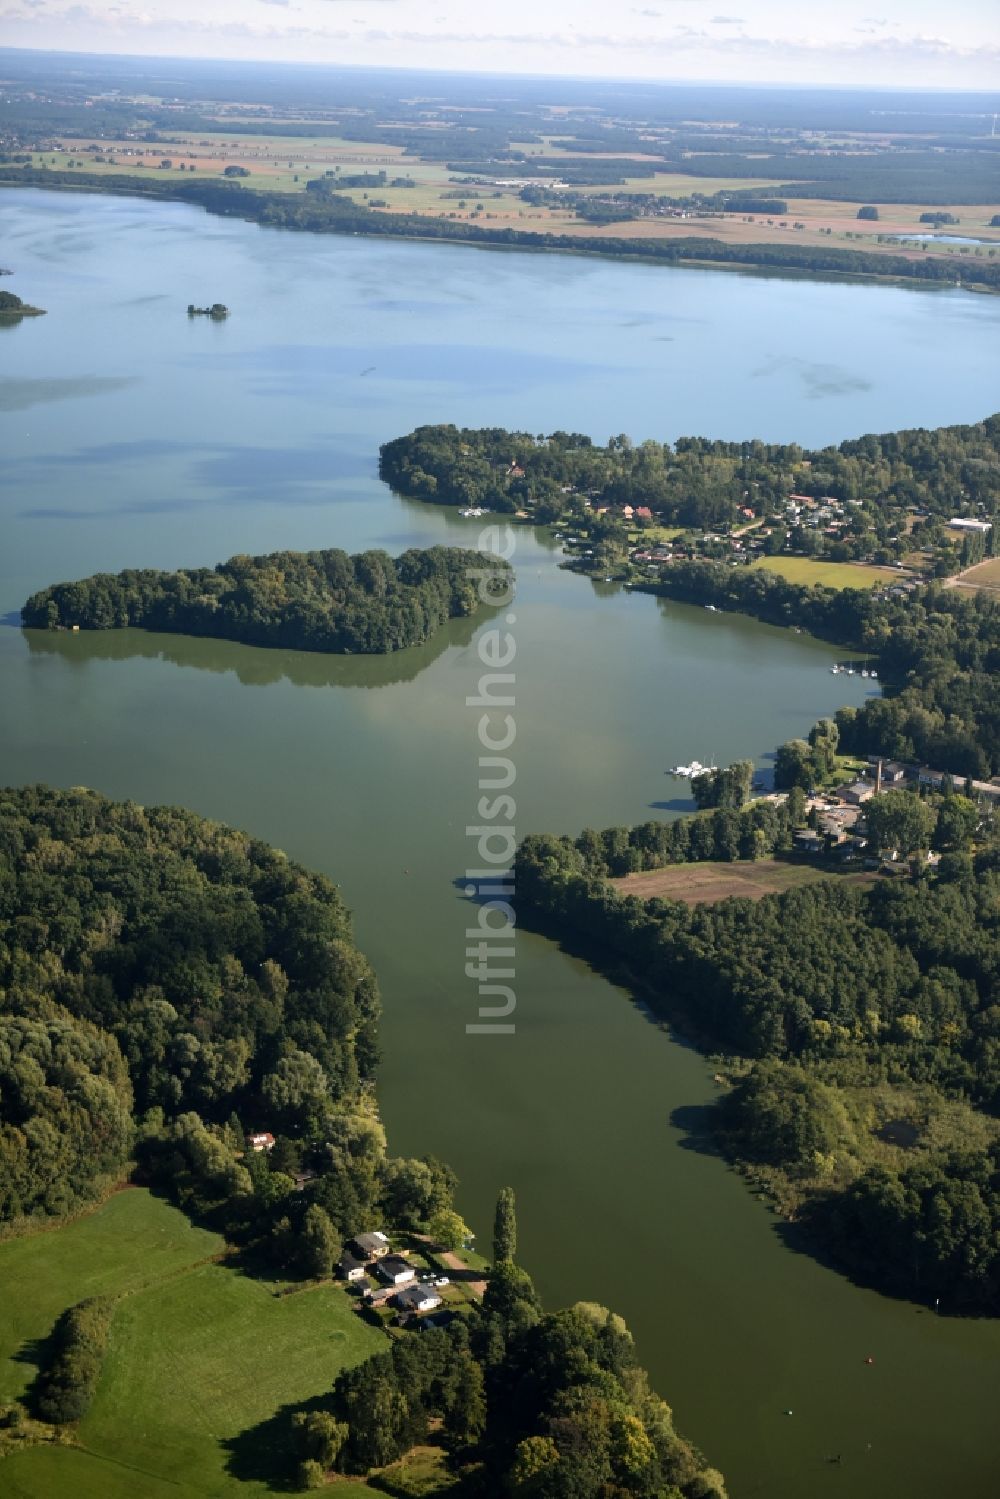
(892, 44)
(429, 70)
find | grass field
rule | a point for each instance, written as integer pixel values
(131, 1242)
(985, 575)
(830, 574)
(200, 1353)
(697, 884)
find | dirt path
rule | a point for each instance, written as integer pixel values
(461, 1274)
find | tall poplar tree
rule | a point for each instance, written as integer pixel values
(505, 1227)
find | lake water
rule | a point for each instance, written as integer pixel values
(133, 436)
(942, 239)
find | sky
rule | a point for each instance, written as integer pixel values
(923, 43)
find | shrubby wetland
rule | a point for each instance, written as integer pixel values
(719, 1213)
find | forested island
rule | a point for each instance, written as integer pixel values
(170, 986)
(330, 601)
(12, 308)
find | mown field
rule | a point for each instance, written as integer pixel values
(200, 1355)
(704, 884)
(985, 575)
(831, 574)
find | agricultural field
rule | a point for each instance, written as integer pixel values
(284, 163)
(704, 884)
(808, 570)
(200, 1355)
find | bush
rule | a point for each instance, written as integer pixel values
(79, 1342)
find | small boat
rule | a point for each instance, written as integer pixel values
(711, 609)
(873, 673)
(835, 670)
(864, 672)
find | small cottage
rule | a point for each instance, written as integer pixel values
(395, 1271)
(417, 1299)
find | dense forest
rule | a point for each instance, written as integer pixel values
(524, 1402)
(167, 986)
(161, 975)
(698, 481)
(309, 601)
(335, 214)
(863, 1031)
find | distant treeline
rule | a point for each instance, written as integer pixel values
(342, 216)
(310, 601)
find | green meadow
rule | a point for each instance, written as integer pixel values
(201, 1354)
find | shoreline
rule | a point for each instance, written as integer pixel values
(588, 250)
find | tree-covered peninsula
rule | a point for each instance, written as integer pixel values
(330, 601)
(183, 1005)
(884, 478)
(860, 1026)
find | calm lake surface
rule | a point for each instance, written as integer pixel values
(135, 437)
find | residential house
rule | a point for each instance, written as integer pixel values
(856, 793)
(351, 1269)
(262, 1141)
(417, 1299)
(369, 1246)
(837, 822)
(395, 1271)
(894, 772)
(808, 842)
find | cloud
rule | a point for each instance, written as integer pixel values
(728, 20)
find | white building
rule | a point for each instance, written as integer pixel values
(963, 523)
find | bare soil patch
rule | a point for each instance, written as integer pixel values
(704, 884)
